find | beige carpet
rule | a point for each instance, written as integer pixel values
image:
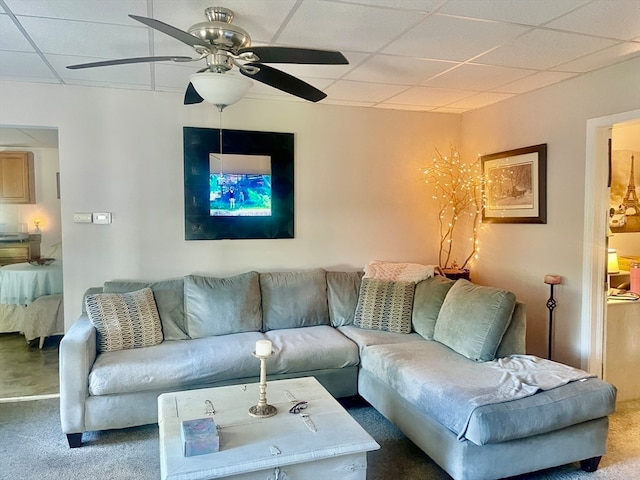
(33, 447)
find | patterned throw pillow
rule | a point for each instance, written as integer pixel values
(399, 272)
(124, 320)
(385, 305)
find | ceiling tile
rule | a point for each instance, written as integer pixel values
(539, 49)
(480, 100)
(516, 11)
(464, 38)
(602, 58)
(15, 64)
(435, 97)
(535, 81)
(477, 77)
(362, 91)
(397, 70)
(98, 40)
(331, 25)
(11, 38)
(612, 19)
(111, 11)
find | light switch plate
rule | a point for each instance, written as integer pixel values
(102, 218)
(82, 217)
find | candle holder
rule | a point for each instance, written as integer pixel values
(262, 409)
(551, 280)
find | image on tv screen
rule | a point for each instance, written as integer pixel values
(239, 195)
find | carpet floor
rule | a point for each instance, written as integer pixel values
(32, 446)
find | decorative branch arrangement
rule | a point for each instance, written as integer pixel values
(458, 187)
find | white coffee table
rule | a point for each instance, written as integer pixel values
(282, 447)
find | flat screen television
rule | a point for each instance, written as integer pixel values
(239, 195)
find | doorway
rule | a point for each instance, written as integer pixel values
(30, 368)
(595, 235)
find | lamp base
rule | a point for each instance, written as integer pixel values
(263, 411)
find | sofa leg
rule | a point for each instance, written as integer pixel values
(74, 439)
(590, 464)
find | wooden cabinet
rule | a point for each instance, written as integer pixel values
(622, 347)
(20, 252)
(17, 183)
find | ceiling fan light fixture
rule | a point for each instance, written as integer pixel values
(220, 89)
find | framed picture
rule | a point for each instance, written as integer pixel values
(245, 192)
(515, 186)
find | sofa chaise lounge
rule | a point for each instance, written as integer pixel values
(428, 353)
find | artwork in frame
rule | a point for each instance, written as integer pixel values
(515, 185)
(244, 193)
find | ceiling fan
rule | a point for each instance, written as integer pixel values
(224, 46)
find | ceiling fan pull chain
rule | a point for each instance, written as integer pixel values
(220, 107)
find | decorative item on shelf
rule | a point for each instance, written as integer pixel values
(458, 188)
(551, 280)
(37, 223)
(612, 261)
(38, 262)
(263, 409)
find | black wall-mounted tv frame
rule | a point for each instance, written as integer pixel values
(199, 224)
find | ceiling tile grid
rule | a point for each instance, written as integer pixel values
(432, 55)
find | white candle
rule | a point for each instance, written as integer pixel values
(263, 348)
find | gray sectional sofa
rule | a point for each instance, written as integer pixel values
(456, 383)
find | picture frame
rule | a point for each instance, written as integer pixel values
(515, 185)
(200, 221)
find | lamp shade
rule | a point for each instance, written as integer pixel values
(220, 88)
(612, 261)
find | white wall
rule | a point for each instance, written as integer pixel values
(47, 206)
(518, 256)
(359, 193)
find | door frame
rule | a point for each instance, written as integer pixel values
(595, 236)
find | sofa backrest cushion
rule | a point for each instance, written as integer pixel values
(124, 320)
(428, 299)
(294, 299)
(220, 306)
(385, 305)
(514, 339)
(169, 296)
(473, 319)
(342, 293)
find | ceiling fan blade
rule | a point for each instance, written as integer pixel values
(296, 55)
(172, 31)
(124, 61)
(283, 81)
(191, 96)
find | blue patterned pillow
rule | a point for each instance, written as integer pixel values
(124, 320)
(385, 305)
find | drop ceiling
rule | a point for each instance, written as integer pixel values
(432, 55)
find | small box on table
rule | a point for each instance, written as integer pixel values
(199, 437)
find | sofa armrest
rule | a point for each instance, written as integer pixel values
(78, 350)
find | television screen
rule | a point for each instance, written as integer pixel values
(239, 195)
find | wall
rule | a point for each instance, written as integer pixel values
(518, 256)
(47, 206)
(359, 193)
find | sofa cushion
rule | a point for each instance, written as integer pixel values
(124, 320)
(220, 306)
(385, 305)
(488, 402)
(175, 364)
(169, 296)
(308, 349)
(342, 293)
(427, 301)
(294, 299)
(365, 338)
(473, 319)
(399, 272)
